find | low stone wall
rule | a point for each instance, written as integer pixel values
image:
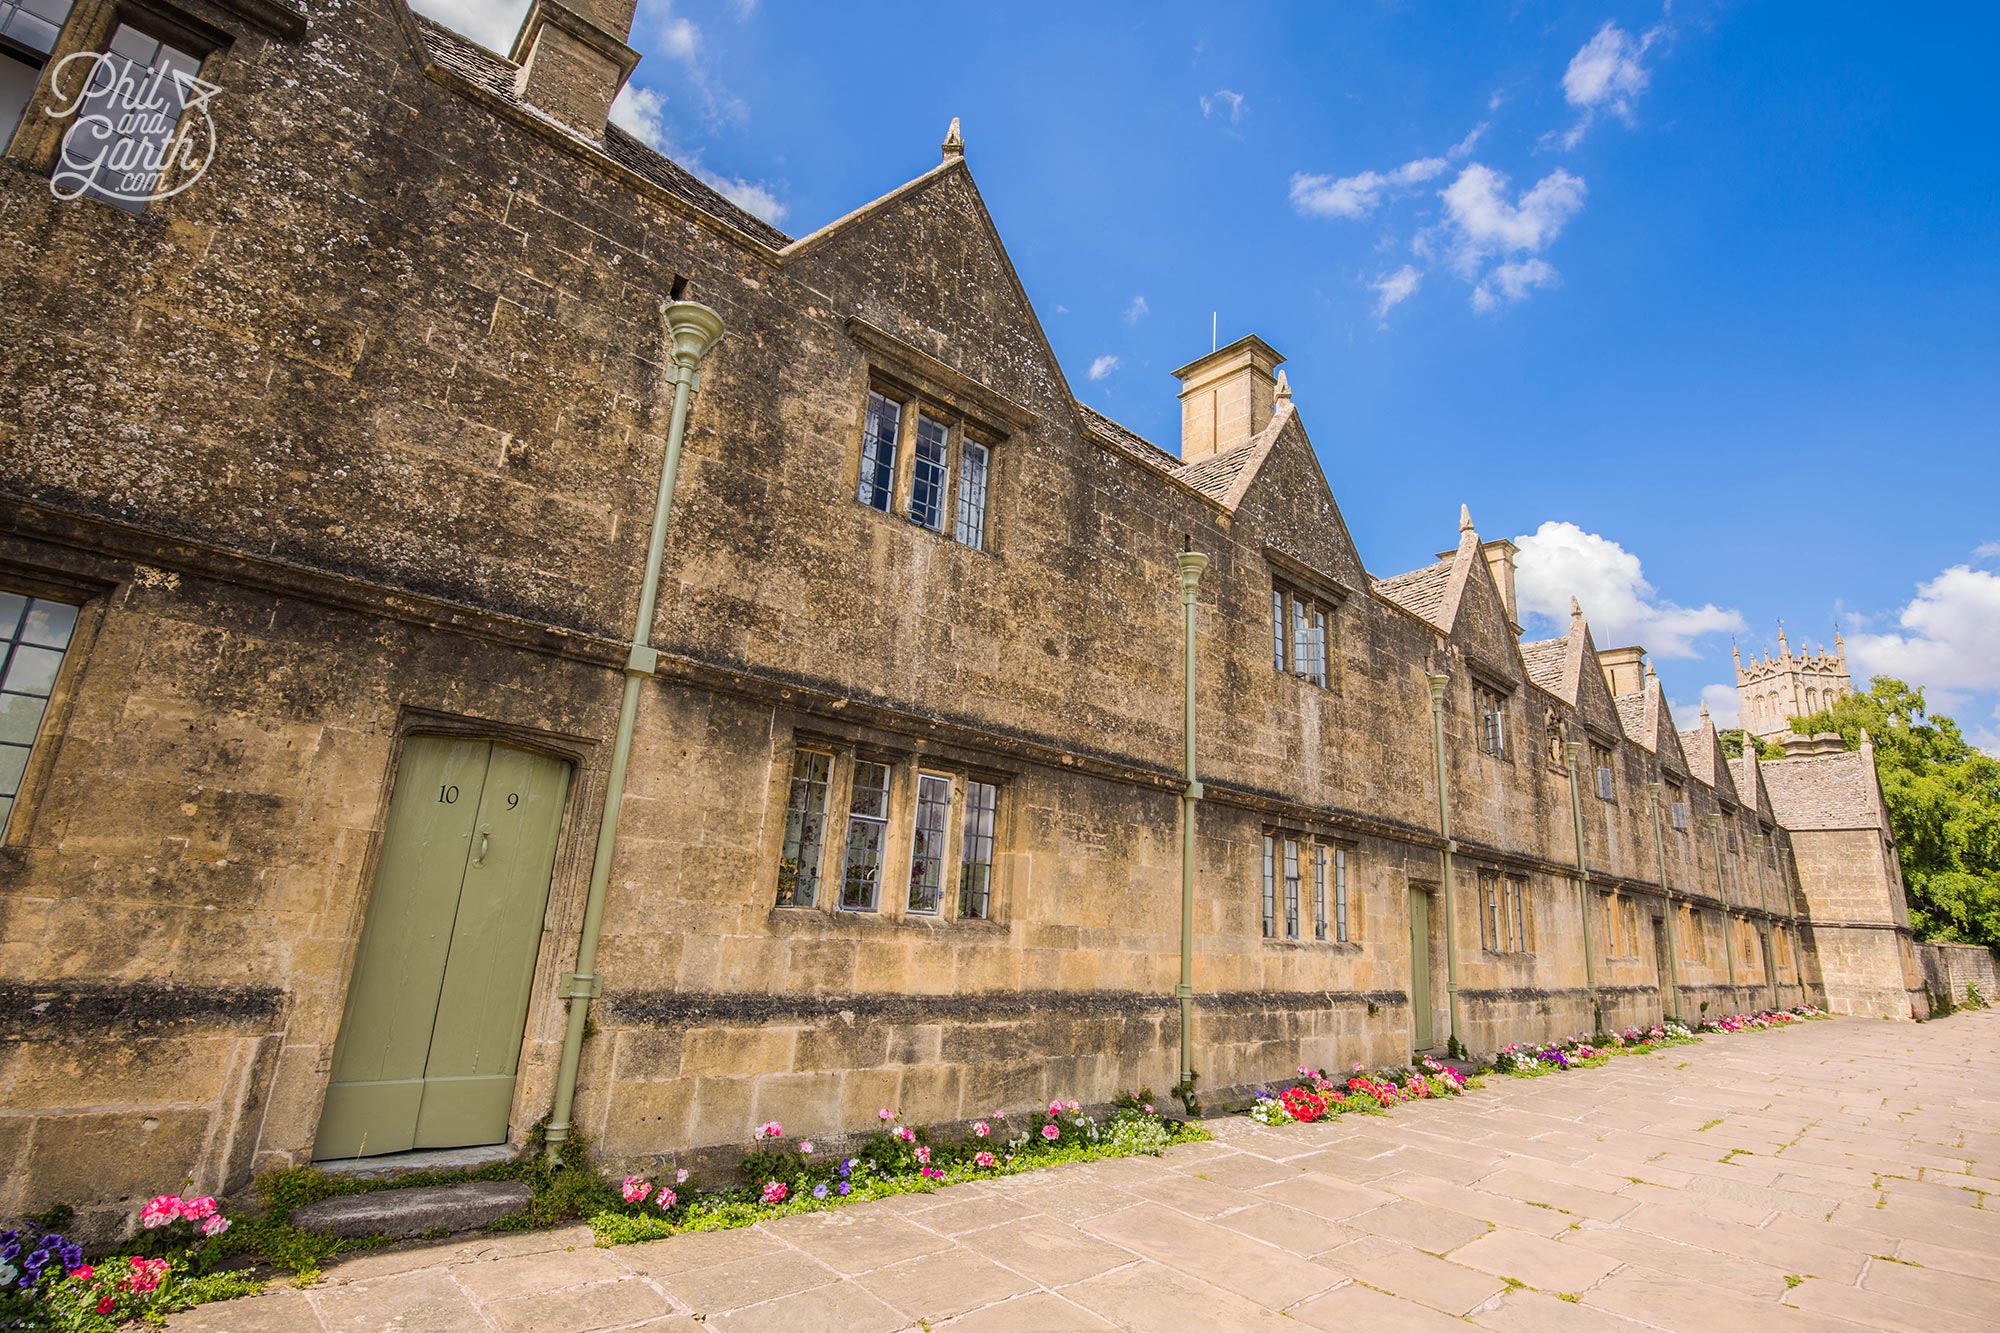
(1950, 968)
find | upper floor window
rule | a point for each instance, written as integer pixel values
(1491, 707)
(1299, 634)
(1600, 760)
(117, 150)
(1677, 807)
(1505, 915)
(34, 635)
(28, 32)
(933, 492)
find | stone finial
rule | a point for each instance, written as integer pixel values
(1736, 653)
(1575, 609)
(954, 142)
(1784, 649)
(1704, 715)
(1465, 518)
(1839, 644)
(1284, 390)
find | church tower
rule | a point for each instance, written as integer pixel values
(1774, 690)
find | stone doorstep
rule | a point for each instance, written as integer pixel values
(402, 1163)
(414, 1212)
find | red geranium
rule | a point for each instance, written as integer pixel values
(1305, 1106)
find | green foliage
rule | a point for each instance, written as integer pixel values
(1734, 738)
(1944, 806)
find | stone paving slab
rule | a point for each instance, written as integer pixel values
(1831, 1176)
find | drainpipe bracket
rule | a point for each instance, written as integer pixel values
(1194, 790)
(1451, 845)
(1184, 992)
(642, 660)
(576, 987)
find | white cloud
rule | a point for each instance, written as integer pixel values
(1484, 223)
(491, 23)
(1102, 367)
(1986, 550)
(1511, 282)
(750, 196)
(1560, 560)
(1605, 75)
(745, 9)
(680, 39)
(1392, 289)
(1948, 637)
(1137, 311)
(1224, 101)
(1358, 195)
(1722, 708)
(639, 112)
(1463, 148)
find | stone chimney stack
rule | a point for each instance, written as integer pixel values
(1624, 669)
(1500, 559)
(1227, 397)
(574, 59)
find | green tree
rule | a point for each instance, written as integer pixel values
(1944, 807)
(1732, 739)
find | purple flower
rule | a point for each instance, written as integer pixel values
(819, 1191)
(844, 1188)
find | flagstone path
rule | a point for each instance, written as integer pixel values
(1831, 1176)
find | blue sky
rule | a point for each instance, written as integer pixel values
(1699, 304)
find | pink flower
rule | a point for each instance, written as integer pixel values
(1149, 1108)
(1055, 1108)
(984, 1159)
(775, 1192)
(215, 1225)
(932, 1173)
(906, 1134)
(982, 1129)
(885, 1114)
(924, 1155)
(1051, 1133)
(158, 1212)
(196, 1209)
(770, 1129)
(999, 1115)
(146, 1275)
(636, 1188)
(806, 1147)
(83, 1272)
(681, 1176)
(1073, 1107)
(667, 1198)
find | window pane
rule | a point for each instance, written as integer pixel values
(927, 847)
(1340, 893)
(108, 156)
(1270, 890)
(1278, 629)
(32, 670)
(878, 452)
(12, 606)
(927, 483)
(972, 468)
(1318, 647)
(29, 674)
(1319, 893)
(975, 878)
(20, 718)
(49, 624)
(1291, 889)
(1301, 639)
(805, 828)
(33, 23)
(867, 822)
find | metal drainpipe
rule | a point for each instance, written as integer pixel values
(1673, 977)
(1722, 892)
(693, 329)
(1570, 750)
(1438, 680)
(1192, 563)
(1764, 904)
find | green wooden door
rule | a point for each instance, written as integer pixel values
(1422, 1036)
(431, 1040)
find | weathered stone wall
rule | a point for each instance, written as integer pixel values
(358, 441)
(1949, 968)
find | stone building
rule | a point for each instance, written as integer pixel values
(327, 483)
(1773, 690)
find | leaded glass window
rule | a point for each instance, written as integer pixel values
(927, 847)
(28, 32)
(1492, 708)
(1489, 911)
(1291, 889)
(927, 484)
(34, 635)
(878, 452)
(867, 823)
(1340, 923)
(112, 151)
(1277, 629)
(975, 871)
(1319, 892)
(1270, 888)
(974, 460)
(805, 829)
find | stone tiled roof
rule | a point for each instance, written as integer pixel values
(496, 74)
(1216, 476)
(1632, 716)
(1700, 755)
(1825, 791)
(1127, 441)
(1420, 590)
(1546, 661)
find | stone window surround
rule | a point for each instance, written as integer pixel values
(1484, 689)
(1310, 842)
(1292, 579)
(1603, 761)
(906, 767)
(1513, 901)
(90, 597)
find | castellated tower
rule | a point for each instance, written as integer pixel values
(1775, 690)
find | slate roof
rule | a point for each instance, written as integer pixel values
(1128, 441)
(1632, 716)
(1823, 791)
(1216, 475)
(496, 74)
(1546, 661)
(1420, 590)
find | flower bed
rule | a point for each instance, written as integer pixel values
(46, 1283)
(895, 1159)
(1317, 1096)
